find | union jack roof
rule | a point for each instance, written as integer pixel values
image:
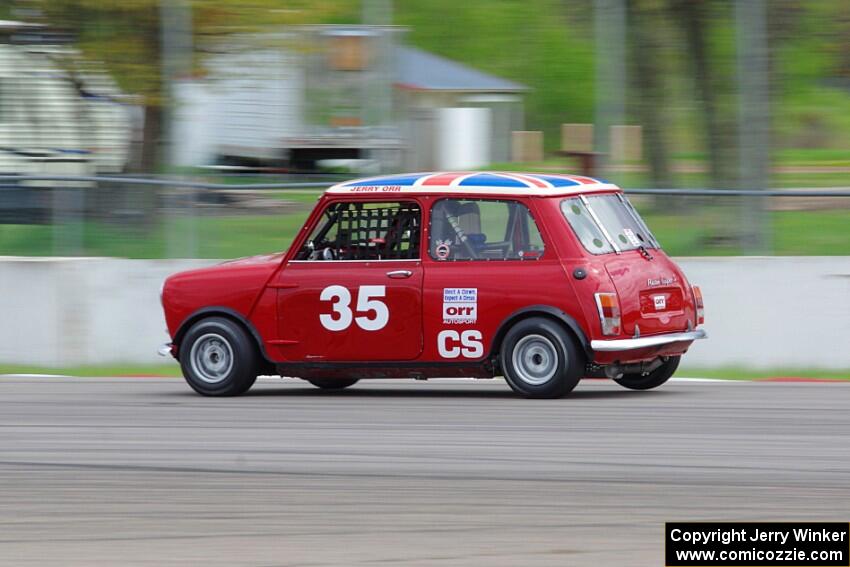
(484, 182)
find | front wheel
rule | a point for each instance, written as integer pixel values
(652, 380)
(540, 359)
(218, 358)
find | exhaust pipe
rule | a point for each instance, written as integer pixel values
(616, 371)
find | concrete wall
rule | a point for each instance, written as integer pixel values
(773, 312)
(761, 312)
(75, 311)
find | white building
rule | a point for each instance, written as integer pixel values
(343, 92)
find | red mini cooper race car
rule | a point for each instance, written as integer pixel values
(543, 279)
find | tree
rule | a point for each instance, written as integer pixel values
(645, 17)
(695, 19)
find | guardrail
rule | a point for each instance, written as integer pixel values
(839, 192)
(221, 215)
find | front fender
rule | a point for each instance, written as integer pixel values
(219, 311)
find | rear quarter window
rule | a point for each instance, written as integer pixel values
(585, 228)
(607, 223)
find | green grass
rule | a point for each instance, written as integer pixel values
(25, 240)
(687, 227)
(684, 235)
(812, 156)
(181, 236)
(232, 237)
(824, 232)
(96, 371)
(796, 180)
(700, 228)
(789, 156)
(634, 180)
(712, 232)
(736, 373)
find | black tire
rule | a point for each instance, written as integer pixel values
(540, 359)
(653, 379)
(333, 383)
(219, 358)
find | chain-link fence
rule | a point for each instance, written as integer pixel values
(233, 216)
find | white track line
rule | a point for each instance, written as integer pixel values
(35, 376)
(685, 379)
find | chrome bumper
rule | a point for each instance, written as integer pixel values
(644, 342)
(164, 350)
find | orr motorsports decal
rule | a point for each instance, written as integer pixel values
(460, 305)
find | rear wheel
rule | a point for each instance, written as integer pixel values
(653, 379)
(540, 359)
(218, 358)
(333, 383)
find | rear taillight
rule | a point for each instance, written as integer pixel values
(609, 313)
(699, 305)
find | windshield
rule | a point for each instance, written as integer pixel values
(607, 223)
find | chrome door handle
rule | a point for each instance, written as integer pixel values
(399, 274)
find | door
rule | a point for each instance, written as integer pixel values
(354, 290)
(487, 260)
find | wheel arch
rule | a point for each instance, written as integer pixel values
(553, 313)
(227, 313)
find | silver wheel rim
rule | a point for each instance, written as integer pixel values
(211, 358)
(535, 359)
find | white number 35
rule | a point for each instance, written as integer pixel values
(341, 318)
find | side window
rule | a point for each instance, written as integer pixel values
(481, 229)
(365, 231)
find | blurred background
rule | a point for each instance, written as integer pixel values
(672, 94)
(194, 130)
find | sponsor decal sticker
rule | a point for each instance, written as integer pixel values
(629, 233)
(660, 302)
(443, 249)
(460, 305)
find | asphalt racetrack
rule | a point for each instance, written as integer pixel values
(144, 472)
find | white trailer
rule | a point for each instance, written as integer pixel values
(58, 115)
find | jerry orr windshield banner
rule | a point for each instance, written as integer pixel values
(762, 544)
